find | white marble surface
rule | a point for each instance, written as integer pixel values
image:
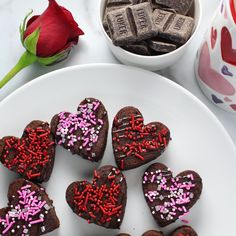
(93, 49)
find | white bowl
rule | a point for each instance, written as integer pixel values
(152, 63)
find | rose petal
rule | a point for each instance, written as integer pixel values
(76, 31)
(31, 20)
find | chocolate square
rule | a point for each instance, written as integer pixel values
(121, 30)
(140, 48)
(181, 6)
(109, 9)
(118, 2)
(142, 14)
(159, 45)
(161, 19)
(180, 29)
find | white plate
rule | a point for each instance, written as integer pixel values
(199, 143)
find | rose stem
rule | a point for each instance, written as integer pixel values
(25, 60)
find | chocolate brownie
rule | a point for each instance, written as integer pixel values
(180, 231)
(84, 133)
(153, 233)
(30, 211)
(101, 202)
(170, 198)
(184, 231)
(135, 144)
(32, 155)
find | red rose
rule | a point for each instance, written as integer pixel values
(58, 30)
(48, 38)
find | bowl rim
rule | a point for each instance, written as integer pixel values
(130, 54)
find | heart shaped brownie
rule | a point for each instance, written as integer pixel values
(170, 198)
(153, 233)
(32, 155)
(29, 211)
(184, 231)
(84, 133)
(101, 202)
(180, 231)
(135, 144)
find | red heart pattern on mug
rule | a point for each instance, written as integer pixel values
(233, 9)
(210, 76)
(227, 51)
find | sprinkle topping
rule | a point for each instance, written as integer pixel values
(100, 203)
(132, 139)
(30, 209)
(169, 196)
(28, 155)
(81, 129)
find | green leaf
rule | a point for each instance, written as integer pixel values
(54, 59)
(23, 26)
(30, 42)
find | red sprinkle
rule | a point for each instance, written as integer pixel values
(30, 154)
(139, 139)
(93, 200)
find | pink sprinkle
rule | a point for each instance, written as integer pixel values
(71, 130)
(83, 105)
(30, 194)
(43, 203)
(95, 139)
(93, 122)
(20, 214)
(36, 221)
(162, 208)
(8, 227)
(92, 115)
(153, 178)
(191, 177)
(60, 142)
(7, 219)
(96, 106)
(25, 187)
(86, 140)
(26, 215)
(184, 208)
(35, 212)
(86, 132)
(100, 121)
(173, 201)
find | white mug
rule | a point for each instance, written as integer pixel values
(215, 65)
